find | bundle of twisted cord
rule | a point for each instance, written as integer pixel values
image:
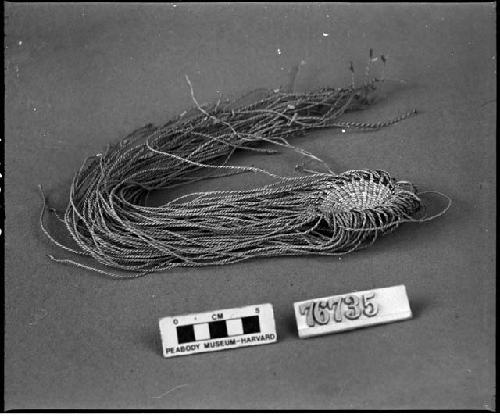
(319, 213)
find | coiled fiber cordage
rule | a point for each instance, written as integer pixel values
(320, 213)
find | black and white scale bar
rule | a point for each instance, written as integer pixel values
(216, 330)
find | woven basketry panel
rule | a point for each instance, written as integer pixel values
(361, 191)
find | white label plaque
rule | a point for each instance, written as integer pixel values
(218, 330)
(350, 311)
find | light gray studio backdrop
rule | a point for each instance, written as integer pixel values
(79, 76)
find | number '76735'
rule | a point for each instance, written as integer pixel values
(339, 308)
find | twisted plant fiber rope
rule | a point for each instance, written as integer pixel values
(322, 213)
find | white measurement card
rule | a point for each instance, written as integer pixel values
(218, 330)
(350, 311)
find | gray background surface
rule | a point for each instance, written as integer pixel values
(80, 76)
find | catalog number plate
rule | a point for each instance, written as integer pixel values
(352, 310)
